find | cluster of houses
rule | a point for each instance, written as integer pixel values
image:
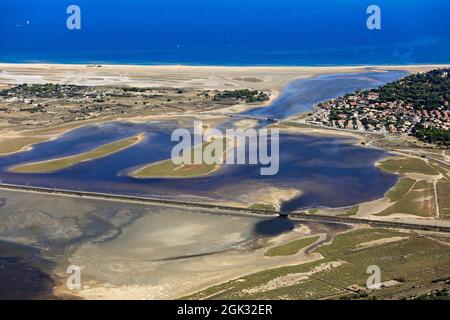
(363, 112)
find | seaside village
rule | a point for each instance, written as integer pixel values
(363, 111)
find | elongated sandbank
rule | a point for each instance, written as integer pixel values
(62, 163)
(171, 169)
(14, 142)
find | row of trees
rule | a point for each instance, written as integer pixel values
(249, 96)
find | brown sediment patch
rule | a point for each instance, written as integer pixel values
(270, 196)
(301, 128)
(390, 283)
(246, 124)
(248, 79)
(367, 209)
(293, 278)
(379, 242)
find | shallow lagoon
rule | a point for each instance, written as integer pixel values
(301, 95)
(329, 171)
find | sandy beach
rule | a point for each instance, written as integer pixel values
(207, 77)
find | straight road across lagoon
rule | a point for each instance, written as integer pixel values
(211, 208)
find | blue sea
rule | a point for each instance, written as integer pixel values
(226, 32)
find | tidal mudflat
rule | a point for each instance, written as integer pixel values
(24, 274)
(136, 251)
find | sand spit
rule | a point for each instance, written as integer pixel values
(271, 196)
(207, 77)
